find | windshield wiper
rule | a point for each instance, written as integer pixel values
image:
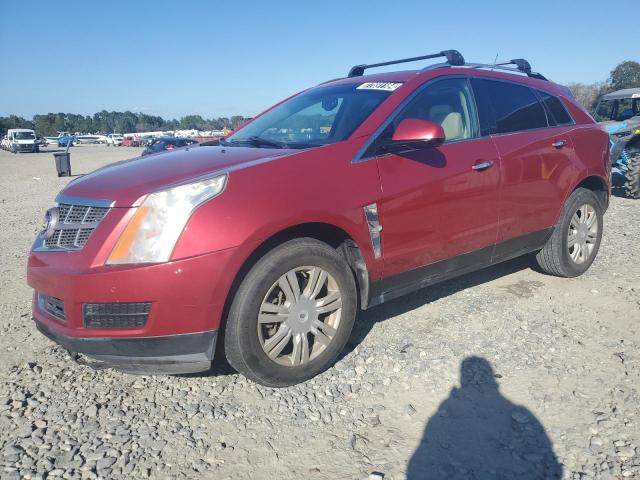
(258, 142)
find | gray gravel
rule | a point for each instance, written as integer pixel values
(550, 379)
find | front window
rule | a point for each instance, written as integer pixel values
(24, 136)
(316, 117)
(445, 102)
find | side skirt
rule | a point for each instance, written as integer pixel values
(398, 285)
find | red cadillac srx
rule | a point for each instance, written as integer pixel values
(344, 196)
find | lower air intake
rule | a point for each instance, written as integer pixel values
(115, 315)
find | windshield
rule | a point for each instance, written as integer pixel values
(316, 117)
(619, 109)
(24, 135)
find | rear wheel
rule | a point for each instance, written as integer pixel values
(292, 315)
(632, 184)
(574, 244)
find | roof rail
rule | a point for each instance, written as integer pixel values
(454, 58)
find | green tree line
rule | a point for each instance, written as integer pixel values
(107, 122)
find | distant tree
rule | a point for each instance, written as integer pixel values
(13, 121)
(236, 121)
(192, 122)
(587, 94)
(625, 75)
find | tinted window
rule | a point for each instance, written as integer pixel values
(515, 107)
(483, 104)
(446, 102)
(555, 108)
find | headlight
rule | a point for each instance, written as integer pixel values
(153, 231)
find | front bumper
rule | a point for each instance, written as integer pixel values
(172, 354)
(186, 300)
(25, 148)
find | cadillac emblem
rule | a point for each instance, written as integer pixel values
(50, 221)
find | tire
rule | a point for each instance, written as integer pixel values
(632, 184)
(246, 340)
(557, 257)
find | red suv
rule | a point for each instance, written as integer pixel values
(344, 196)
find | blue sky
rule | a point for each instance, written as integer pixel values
(237, 58)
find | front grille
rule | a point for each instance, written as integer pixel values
(115, 315)
(75, 225)
(51, 305)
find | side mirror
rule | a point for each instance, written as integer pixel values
(416, 133)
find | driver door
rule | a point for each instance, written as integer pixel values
(439, 202)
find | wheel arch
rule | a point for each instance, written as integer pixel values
(596, 184)
(328, 233)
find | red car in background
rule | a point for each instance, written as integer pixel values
(130, 142)
(342, 197)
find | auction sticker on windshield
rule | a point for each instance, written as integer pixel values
(386, 86)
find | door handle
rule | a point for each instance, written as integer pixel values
(483, 165)
(559, 144)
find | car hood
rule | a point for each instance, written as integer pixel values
(126, 182)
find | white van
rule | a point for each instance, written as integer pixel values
(22, 140)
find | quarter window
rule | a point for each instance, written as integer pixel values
(515, 107)
(558, 113)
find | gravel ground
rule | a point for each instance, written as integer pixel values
(505, 373)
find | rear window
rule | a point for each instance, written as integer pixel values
(514, 107)
(555, 109)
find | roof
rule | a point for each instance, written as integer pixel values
(624, 93)
(399, 76)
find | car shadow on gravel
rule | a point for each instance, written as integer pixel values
(368, 318)
(478, 433)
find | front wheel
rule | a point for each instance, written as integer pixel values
(575, 241)
(292, 314)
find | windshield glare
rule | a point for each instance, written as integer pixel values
(316, 117)
(24, 136)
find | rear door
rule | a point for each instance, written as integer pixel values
(534, 157)
(436, 203)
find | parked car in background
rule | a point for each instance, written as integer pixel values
(344, 196)
(66, 140)
(54, 140)
(147, 140)
(22, 140)
(168, 143)
(90, 138)
(114, 139)
(130, 142)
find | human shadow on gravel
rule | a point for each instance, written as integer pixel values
(368, 318)
(477, 433)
